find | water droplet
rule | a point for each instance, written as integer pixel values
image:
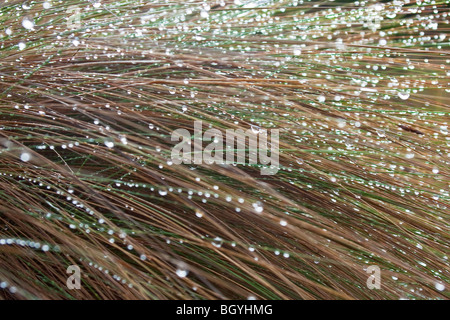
(109, 144)
(199, 214)
(439, 286)
(258, 207)
(255, 129)
(341, 123)
(25, 156)
(381, 133)
(217, 242)
(182, 273)
(28, 24)
(124, 140)
(403, 95)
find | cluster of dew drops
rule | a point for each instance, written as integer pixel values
(373, 15)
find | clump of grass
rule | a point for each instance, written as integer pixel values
(359, 92)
